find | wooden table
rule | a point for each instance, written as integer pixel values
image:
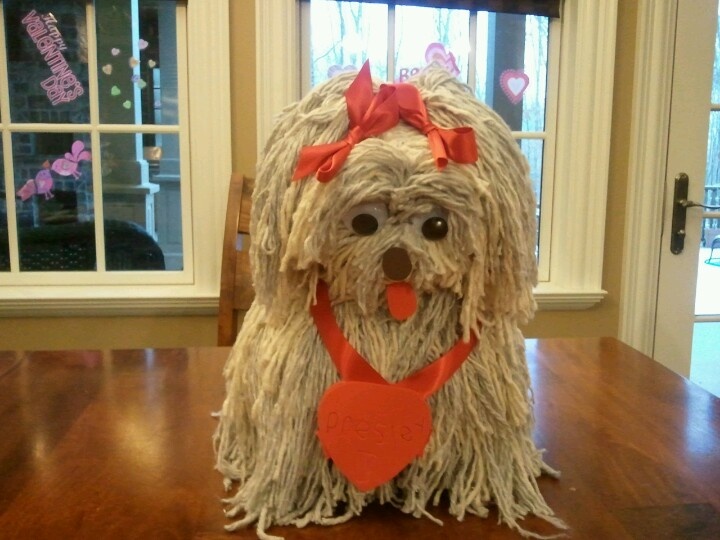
(117, 444)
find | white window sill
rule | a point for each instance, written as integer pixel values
(548, 299)
(108, 307)
(551, 298)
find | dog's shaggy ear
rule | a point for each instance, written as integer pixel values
(503, 272)
(320, 117)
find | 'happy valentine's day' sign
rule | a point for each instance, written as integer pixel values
(62, 86)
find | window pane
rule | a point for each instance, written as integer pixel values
(511, 72)
(711, 226)
(707, 295)
(55, 209)
(137, 61)
(427, 35)
(345, 34)
(4, 244)
(141, 197)
(47, 61)
(511, 56)
(716, 66)
(536, 59)
(533, 150)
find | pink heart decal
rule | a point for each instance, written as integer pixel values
(372, 431)
(437, 53)
(514, 83)
(336, 69)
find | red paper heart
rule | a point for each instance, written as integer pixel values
(372, 431)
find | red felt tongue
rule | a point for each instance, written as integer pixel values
(401, 300)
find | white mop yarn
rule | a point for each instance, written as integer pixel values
(478, 279)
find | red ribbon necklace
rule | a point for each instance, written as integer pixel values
(371, 428)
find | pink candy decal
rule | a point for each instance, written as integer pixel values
(514, 83)
(132, 62)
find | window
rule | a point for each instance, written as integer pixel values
(711, 225)
(574, 190)
(503, 57)
(103, 182)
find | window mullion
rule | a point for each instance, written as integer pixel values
(529, 134)
(472, 52)
(98, 209)
(189, 248)
(12, 229)
(9, 174)
(391, 43)
(305, 52)
(87, 128)
(4, 88)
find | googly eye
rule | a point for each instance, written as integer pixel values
(365, 219)
(433, 225)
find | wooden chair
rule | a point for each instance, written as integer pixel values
(236, 290)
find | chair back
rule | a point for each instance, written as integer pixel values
(236, 290)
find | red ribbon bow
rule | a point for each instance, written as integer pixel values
(458, 144)
(370, 114)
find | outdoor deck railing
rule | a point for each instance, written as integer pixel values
(711, 226)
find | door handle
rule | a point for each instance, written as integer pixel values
(680, 206)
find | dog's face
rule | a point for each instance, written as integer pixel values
(390, 216)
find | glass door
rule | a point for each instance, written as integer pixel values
(705, 363)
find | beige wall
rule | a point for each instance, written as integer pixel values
(114, 332)
(49, 333)
(603, 319)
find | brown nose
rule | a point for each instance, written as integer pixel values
(396, 264)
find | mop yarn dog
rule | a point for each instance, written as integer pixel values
(393, 258)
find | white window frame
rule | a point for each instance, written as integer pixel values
(547, 135)
(650, 129)
(581, 163)
(206, 160)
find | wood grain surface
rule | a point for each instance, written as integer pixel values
(117, 444)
